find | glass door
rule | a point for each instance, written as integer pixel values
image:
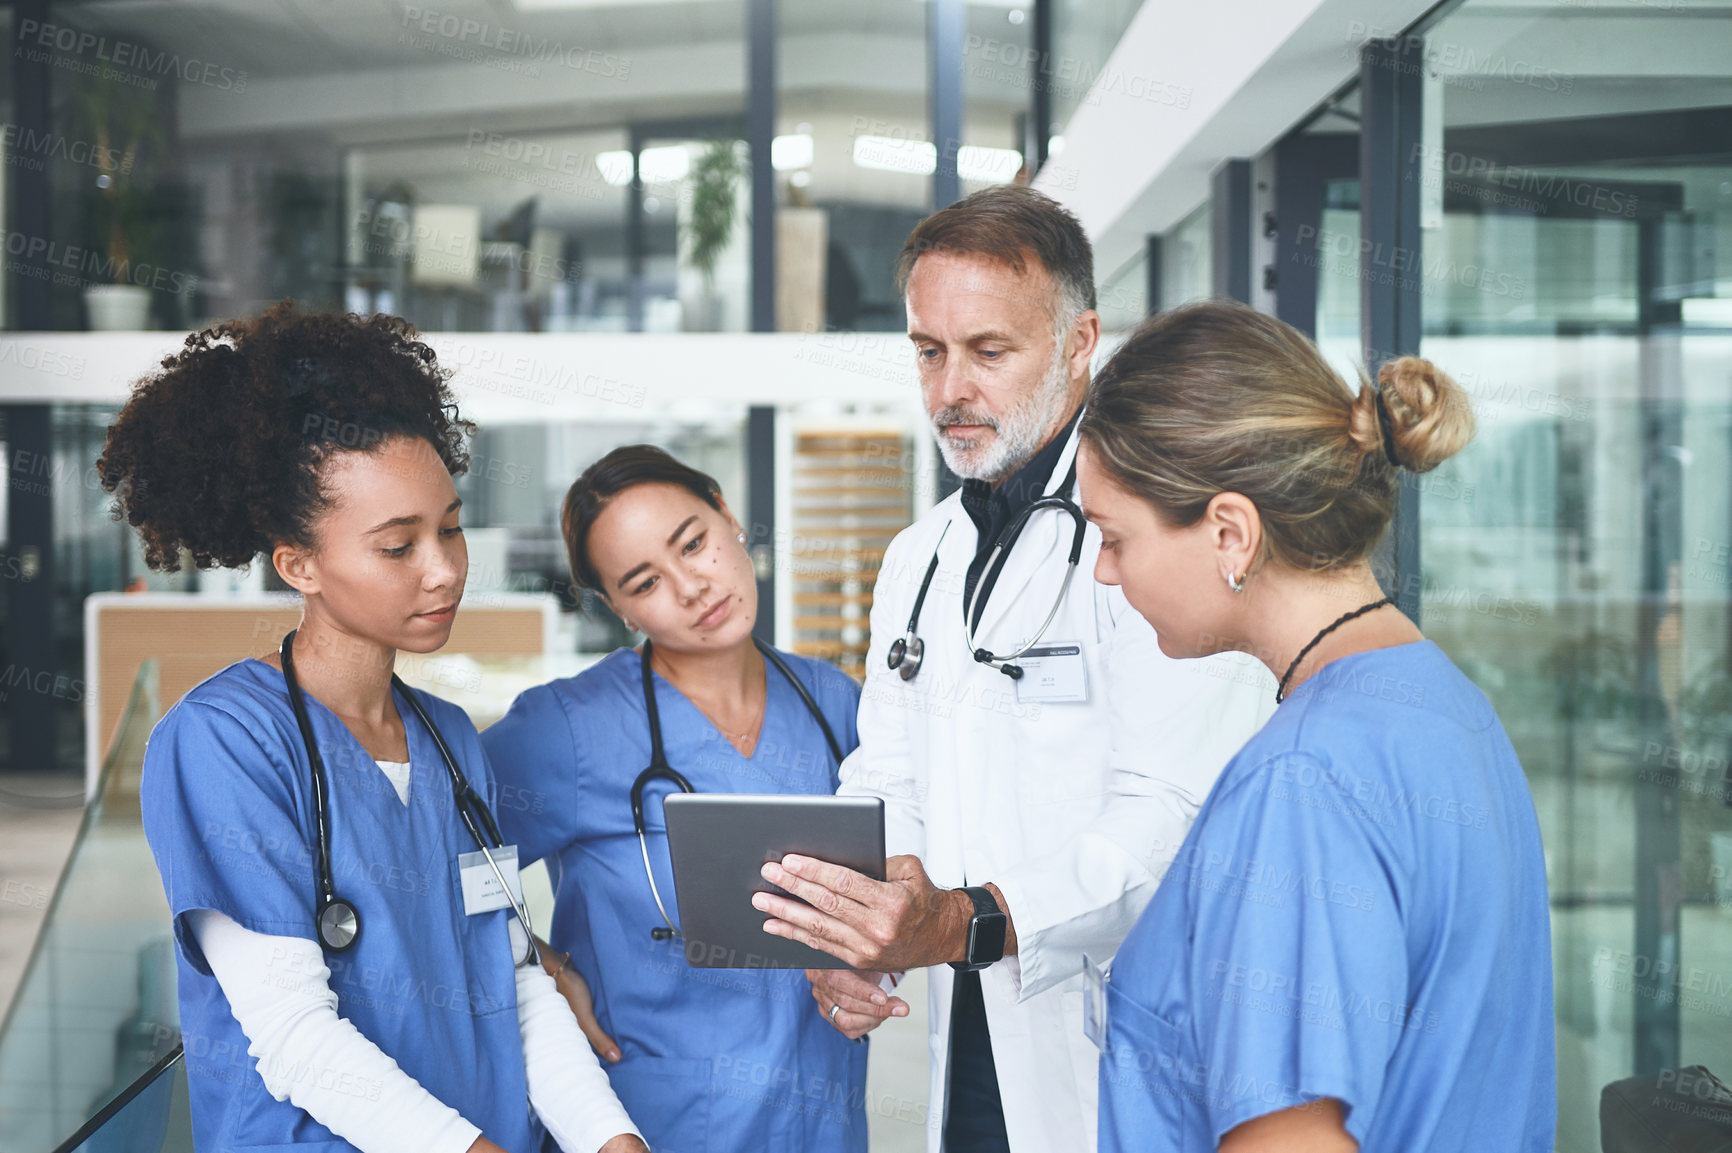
(1577, 269)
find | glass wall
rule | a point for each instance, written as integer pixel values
(516, 486)
(1577, 269)
(855, 173)
(1335, 250)
(1084, 34)
(1122, 293)
(1185, 262)
(469, 165)
(554, 166)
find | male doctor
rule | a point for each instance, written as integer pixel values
(1033, 814)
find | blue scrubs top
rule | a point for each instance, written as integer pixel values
(712, 1059)
(228, 811)
(1358, 912)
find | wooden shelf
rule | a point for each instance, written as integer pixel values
(850, 486)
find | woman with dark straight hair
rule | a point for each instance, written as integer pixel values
(707, 1059)
(1352, 947)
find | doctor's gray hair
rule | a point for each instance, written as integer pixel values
(1217, 397)
(1011, 223)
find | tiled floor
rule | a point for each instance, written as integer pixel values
(34, 843)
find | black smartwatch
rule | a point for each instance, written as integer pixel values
(986, 931)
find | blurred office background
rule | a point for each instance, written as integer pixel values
(675, 221)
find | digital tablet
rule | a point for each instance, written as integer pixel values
(720, 841)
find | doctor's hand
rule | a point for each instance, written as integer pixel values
(854, 1002)
(904, 922)
(575, 990)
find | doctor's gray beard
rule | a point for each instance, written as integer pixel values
(1021, 433)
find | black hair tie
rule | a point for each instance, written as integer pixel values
(1387, 424)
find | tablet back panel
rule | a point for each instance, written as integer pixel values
(720, 841)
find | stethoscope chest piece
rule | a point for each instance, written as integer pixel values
(905, 655)
(907, 650)
(336, 920)
(339, 925)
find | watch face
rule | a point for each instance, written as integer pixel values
(986, 938)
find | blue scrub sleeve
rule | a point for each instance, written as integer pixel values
(839, 696)
(849, 730)
(227, 813)
(1298, 971)
(532, 752)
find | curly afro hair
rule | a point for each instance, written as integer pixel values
(218, 453)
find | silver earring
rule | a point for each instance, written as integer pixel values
(741, 537)
(1234, 583)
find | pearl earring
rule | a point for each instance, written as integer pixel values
(1234, 583)
(741, 537)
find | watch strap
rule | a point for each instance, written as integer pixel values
(985, 905)
(982, 898)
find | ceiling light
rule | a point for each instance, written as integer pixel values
(788, 152)
(919, 157)
(656, 165)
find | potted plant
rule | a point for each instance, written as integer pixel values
(122, 127)
(714, 177)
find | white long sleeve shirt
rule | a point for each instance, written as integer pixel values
(278, 989)
(309, 1055)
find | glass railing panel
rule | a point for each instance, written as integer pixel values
(152, 1115)
(96, 1009)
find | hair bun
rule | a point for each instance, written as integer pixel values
(1429, 415)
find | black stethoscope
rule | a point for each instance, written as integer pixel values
(659, 769)
(338, 921)
(907, 652)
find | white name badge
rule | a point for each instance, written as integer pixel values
(1053, 674)
(481, 891)
(1095, 1004)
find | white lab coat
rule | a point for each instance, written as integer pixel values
(1072, 810)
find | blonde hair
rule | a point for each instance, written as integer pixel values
(1217, 397)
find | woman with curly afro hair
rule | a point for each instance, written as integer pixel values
(328, 444)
